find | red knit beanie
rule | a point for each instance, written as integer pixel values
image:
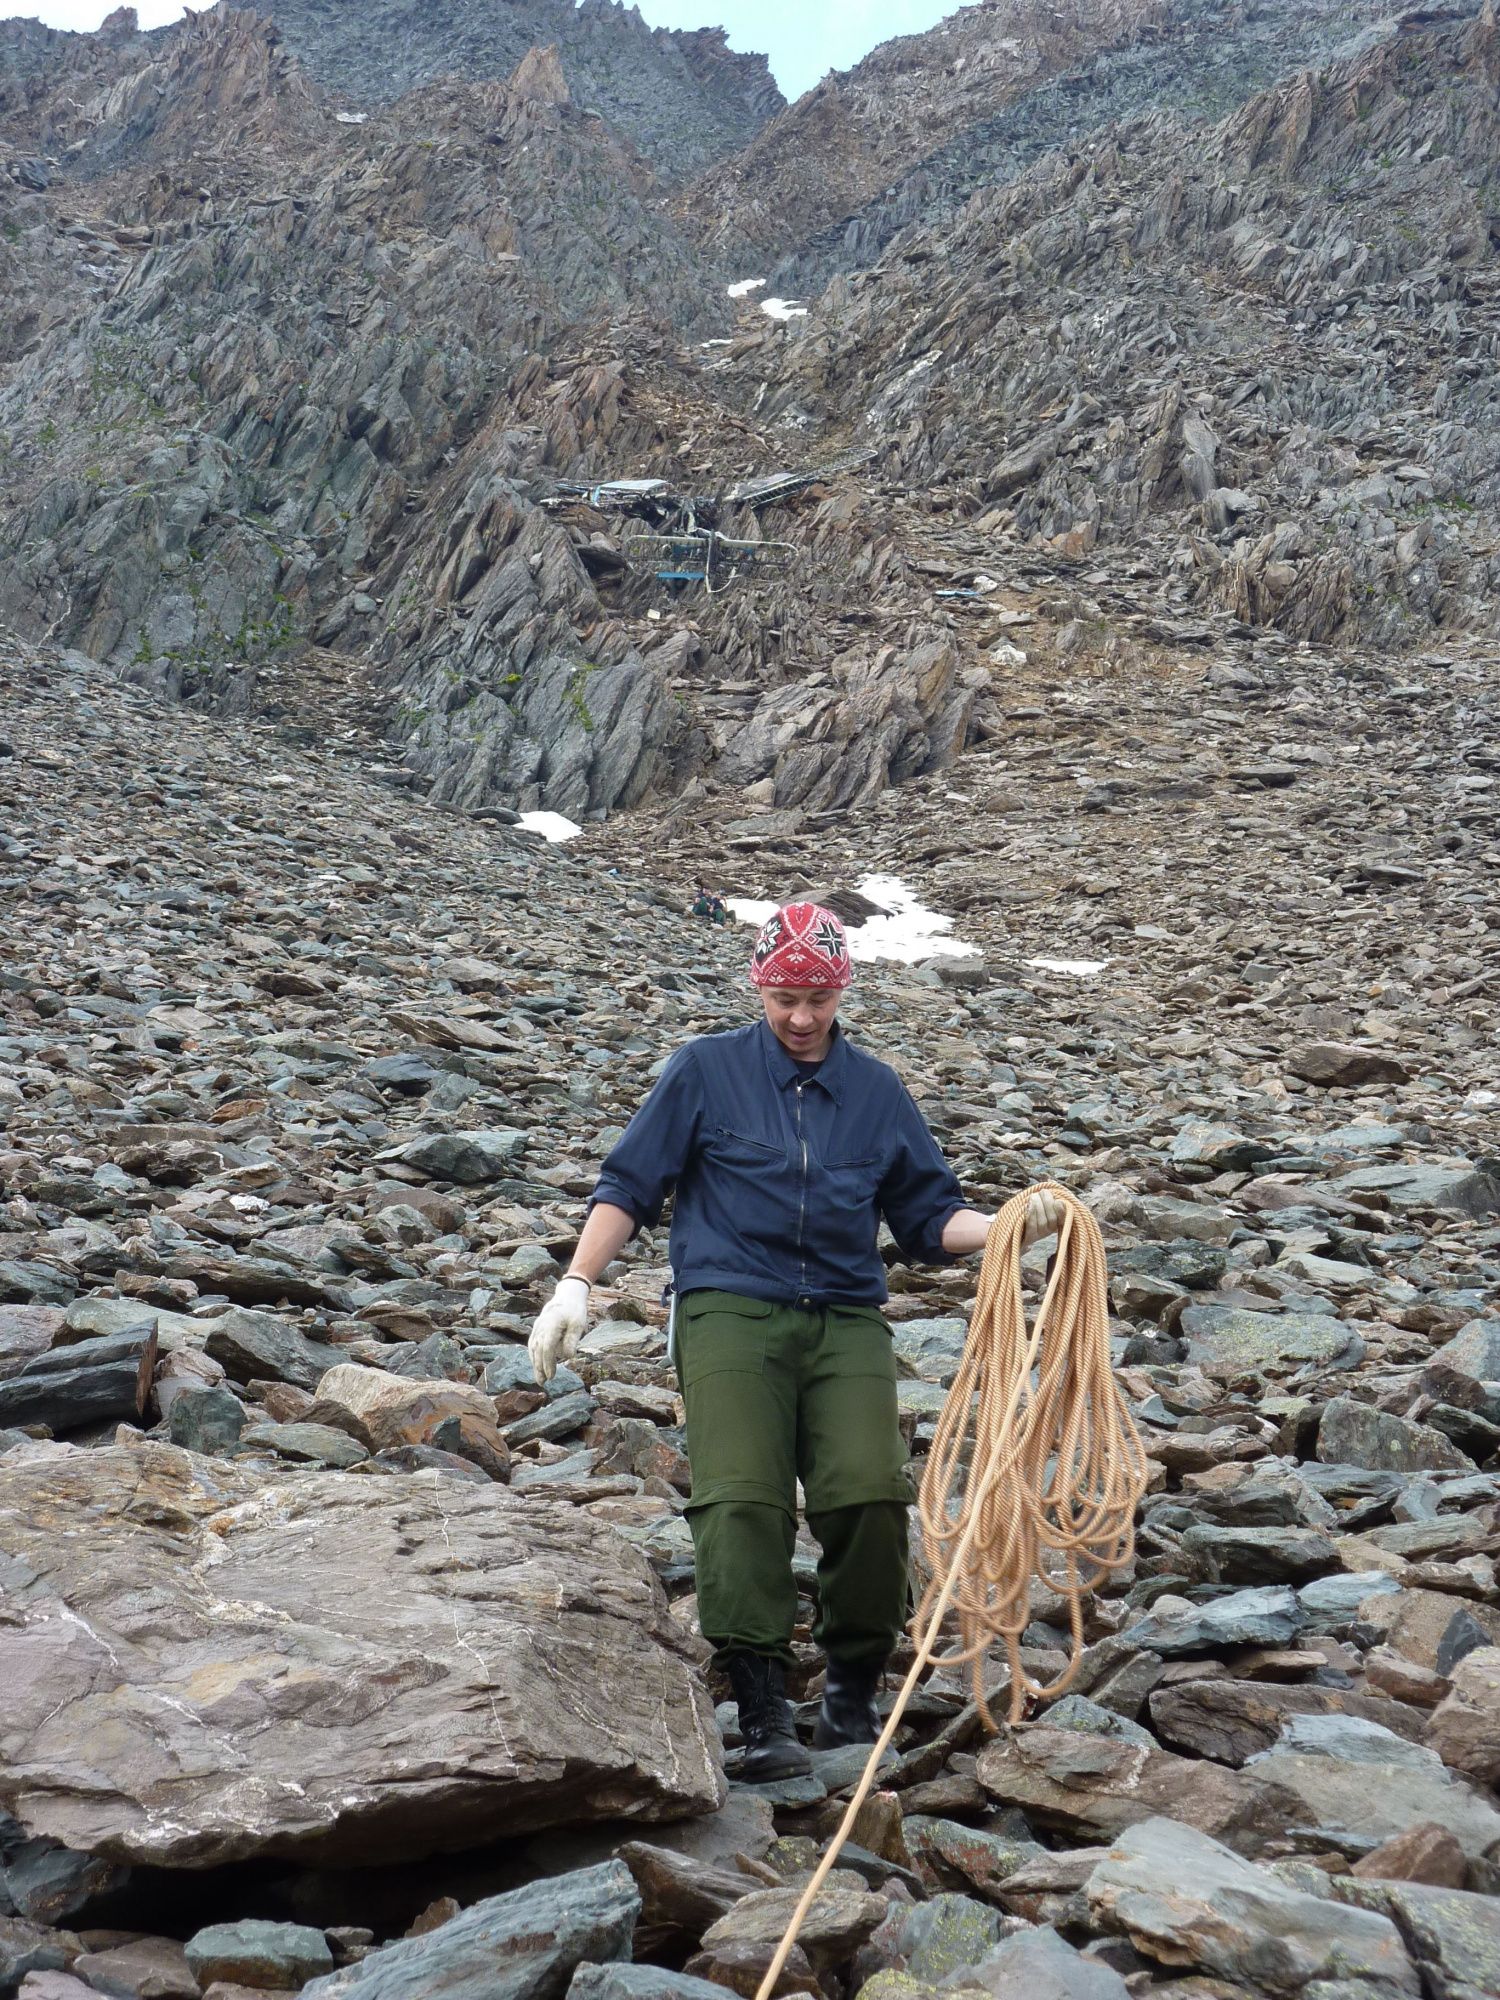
(802, 945)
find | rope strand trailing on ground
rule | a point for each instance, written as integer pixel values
(1035, 1451)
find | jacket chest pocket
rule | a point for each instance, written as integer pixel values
(738, 1149)
(853, 1181)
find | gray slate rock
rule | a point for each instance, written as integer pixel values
(1353, 1777)
(253, 1952)
(28, 1947)
(468, 1157)
(1337, 1064)
(88, 1383)
(305, 1444)
(1181, 1897)
(1453, 1936)
(1042, 1966)
(1229, 1340)
(932, 1348)
(937, 1937)
(206, 1420)
(252, 1346)
(1354, 1433)
(1333, 1600)
(639, 1982)
(26, 1331)
(965, 1857)
(1258, 1555)
(1473, 1351)
(1267, 1616)
(1200, 1143)
(46, 1883)
(521, 1946)
(1462, 1191)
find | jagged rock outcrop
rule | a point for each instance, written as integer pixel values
(287, 380)
(682, 96)
(926, 120)
(1169, 325)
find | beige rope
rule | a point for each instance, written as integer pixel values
(1035, 1450)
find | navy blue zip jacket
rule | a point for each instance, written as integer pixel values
(781, 1180)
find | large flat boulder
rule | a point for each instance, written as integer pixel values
(205, 1661)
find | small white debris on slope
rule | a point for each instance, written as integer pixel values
(1080, 968)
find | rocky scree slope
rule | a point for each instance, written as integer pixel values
(289, 383)
(683, 98)
(270, 392)
(925, 120)
(304, 1080)
(1277, 334)
(315, 386)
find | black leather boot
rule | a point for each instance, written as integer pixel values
(771, 1746)
(849, 1714)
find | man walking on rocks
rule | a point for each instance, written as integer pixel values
(786, 1146)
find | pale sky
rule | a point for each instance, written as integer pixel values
(803, 38)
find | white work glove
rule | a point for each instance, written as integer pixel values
(1044, 1215)
(559, 1327)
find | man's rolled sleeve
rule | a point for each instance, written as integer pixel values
(920, 1190)
(642, 1167)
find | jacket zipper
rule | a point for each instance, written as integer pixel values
(802, 1201)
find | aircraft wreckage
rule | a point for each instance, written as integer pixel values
(674, 538)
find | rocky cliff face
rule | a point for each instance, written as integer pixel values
(683, 98)
(925, 120)
(1242, 330)
(289, 374)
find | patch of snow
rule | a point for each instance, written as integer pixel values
(716, 343)
(745, 286)
(351, 117)
(1079, 968)
(551, 826)
(783, 309)
(906, 932)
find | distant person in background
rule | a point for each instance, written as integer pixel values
(710, 906)
(787, 1147)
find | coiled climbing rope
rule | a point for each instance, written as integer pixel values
(1036, 1471)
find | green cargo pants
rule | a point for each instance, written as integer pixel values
(775, 1394)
